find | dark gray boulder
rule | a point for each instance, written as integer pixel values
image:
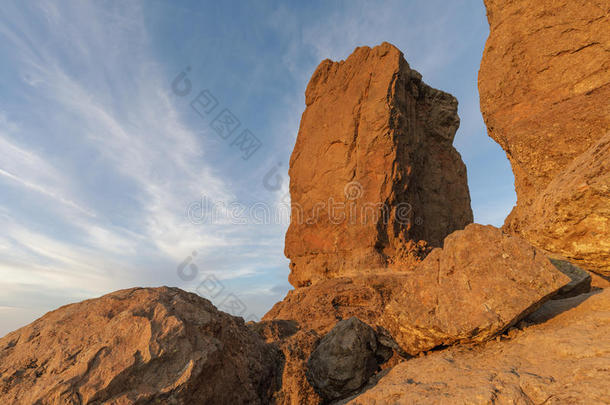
(345, 358)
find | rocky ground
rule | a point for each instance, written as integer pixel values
(563, 357)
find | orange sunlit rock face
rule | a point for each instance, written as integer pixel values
(373, 171)
(544, 86)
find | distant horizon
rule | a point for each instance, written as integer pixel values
(104, 152)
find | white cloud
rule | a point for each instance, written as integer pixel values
(25, 168)
(136, 128)
(94, 71)
(103, 135)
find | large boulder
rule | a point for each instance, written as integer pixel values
(544, 87)
(561, 361)
(142, 345)
(482, 282)
(345, 359)
(374, 177)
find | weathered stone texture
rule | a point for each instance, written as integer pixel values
(375, 142)
(544, 87)
(143, 345)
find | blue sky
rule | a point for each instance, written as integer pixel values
(100, 159)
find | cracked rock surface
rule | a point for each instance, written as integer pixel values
(481, 282)
(544, 87)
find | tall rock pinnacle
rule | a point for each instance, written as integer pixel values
(374, 178)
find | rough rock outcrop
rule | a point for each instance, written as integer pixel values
(142, 345)
(296, 345)
(321, 306)
(481, 282)
(561, 361)
(544, 87)
(373, 171)
(345, 359)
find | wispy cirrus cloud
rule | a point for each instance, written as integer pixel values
(97, 175)
(99, 159)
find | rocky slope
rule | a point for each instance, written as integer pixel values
(479, 284)
(563, 360)
(373, 171)
(142, 345)
(482, 282)
(544, 87)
